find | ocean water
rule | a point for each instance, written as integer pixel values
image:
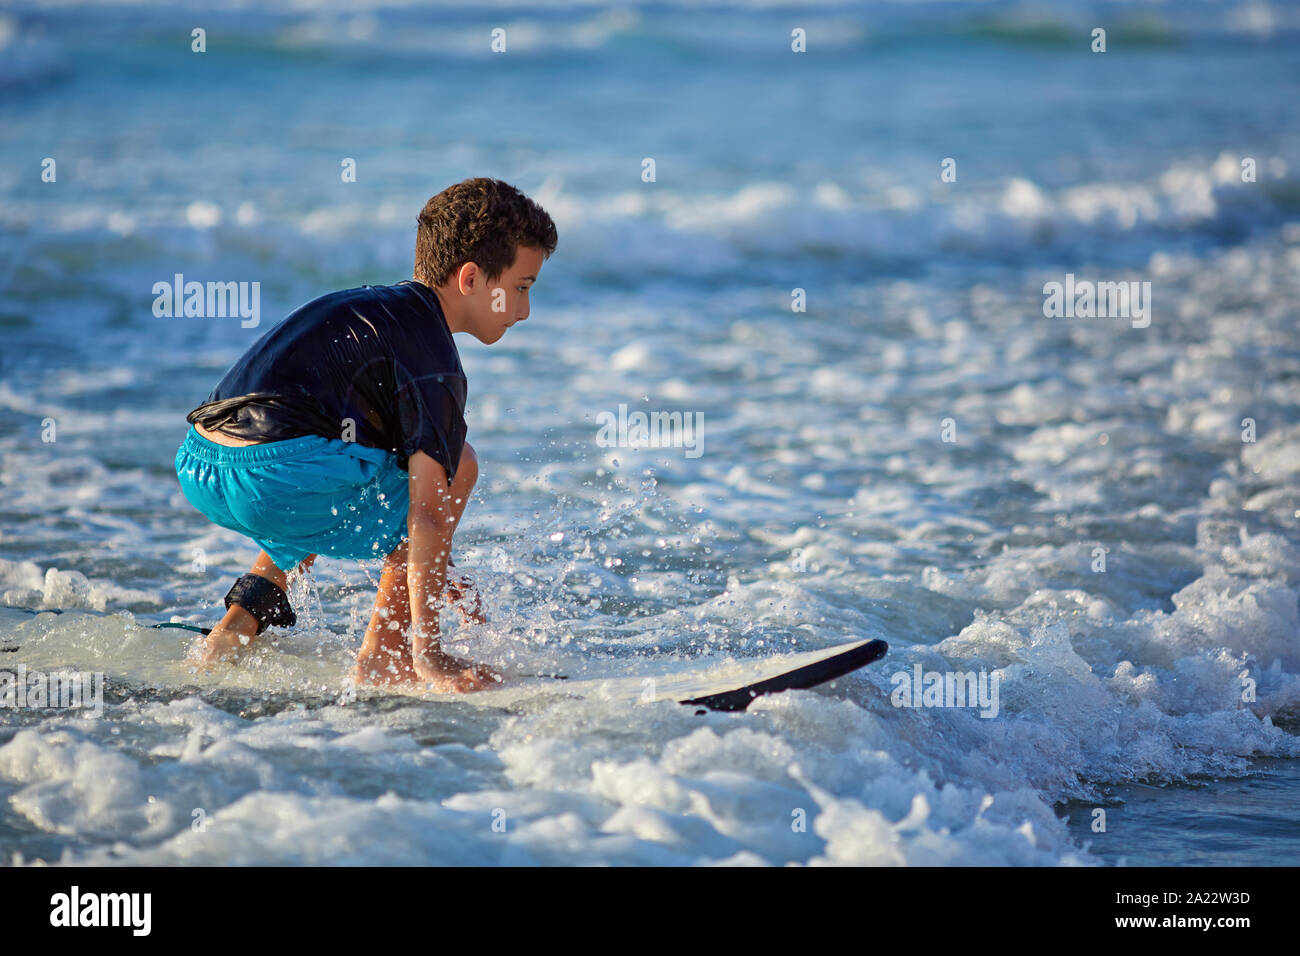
(919, 455)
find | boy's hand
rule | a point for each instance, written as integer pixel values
(461, 592)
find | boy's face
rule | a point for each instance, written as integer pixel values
(489, 311)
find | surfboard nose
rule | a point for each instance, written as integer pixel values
(824, 666)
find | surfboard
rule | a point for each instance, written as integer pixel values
(797, 672)
(732, 685)
(79, 610)
(728, 685)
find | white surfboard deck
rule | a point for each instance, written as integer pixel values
(718, 685)
(727, 685)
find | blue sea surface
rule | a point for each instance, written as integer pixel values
(898, 442)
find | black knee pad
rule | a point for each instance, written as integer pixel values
(264, 600)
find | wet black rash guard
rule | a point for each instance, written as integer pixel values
(380, 356)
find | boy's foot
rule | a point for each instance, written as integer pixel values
(221, 646)
(228, 641)
(455, 675)
(382, 669)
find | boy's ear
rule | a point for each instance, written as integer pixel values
(469, 273)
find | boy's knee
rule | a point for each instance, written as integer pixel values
(467, 470)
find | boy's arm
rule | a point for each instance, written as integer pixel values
(430, 522)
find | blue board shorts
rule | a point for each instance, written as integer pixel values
(309, 495)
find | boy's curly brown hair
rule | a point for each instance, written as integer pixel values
(481, 221)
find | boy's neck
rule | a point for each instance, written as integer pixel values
(446, 301)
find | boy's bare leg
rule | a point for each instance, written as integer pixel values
(447, 673)
(385, 655)
(238, 628)
(459, 592)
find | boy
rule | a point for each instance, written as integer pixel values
(342, 432)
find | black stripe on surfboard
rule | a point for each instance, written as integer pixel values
(801, 678)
